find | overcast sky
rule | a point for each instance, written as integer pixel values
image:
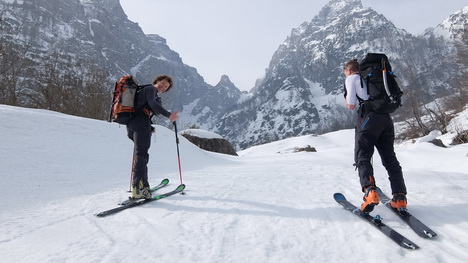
(238, 37)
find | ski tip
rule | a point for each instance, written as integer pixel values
(165, 181)
(429, 234)
(181, 187)
(339, 197)
(409, 245)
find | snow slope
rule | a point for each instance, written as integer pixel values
(270, 204)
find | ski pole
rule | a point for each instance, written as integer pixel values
(131, 174)
(178, 154)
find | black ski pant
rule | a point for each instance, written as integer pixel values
(377, 130)
(139, 131)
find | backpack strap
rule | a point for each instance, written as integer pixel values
(153, 114)
(145, 108)
(361, 101)
(141, 109)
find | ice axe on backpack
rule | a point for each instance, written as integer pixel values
(385, 81)
(178, 154)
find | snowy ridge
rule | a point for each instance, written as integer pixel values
(302, 90)
(201, 134)
(454, 26)
(267, 205)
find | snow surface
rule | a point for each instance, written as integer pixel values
(269, 204)
(202, 134)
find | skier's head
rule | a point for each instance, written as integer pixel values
(163, 83)
(351, 66)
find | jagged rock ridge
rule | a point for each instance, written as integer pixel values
(301, 92)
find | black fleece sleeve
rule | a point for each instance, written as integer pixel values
(151, 96)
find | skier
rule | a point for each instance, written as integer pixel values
(372, 130)
(139, 130)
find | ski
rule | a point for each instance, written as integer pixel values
(163, 183)
(376, 222)
(138, 202)
(421, 229)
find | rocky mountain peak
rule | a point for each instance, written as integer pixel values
(455, 26)
(302, 91)
(337, 8)
(225, 81)
(227, 89)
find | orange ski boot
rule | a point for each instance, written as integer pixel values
(399, 201)
(371, 199)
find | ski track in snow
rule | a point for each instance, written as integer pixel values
(267, 205)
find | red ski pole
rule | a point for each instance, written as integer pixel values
(131, 174)
(178, 154)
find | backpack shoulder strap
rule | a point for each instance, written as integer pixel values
(362, 86)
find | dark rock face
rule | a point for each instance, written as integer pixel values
(438, 142)
(461, 138)
(212, 144)
(307, 148)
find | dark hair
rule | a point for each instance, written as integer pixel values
(352, 65)
(161, 78)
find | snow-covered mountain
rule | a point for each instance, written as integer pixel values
(451, 34)
(302, 91)
(454, 27)
(97, 33)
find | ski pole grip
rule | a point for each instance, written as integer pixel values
(175, 131)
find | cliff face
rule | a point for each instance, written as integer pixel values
(82, 35)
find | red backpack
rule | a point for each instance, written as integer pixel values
(124, 100)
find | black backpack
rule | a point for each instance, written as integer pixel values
(384, 92)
